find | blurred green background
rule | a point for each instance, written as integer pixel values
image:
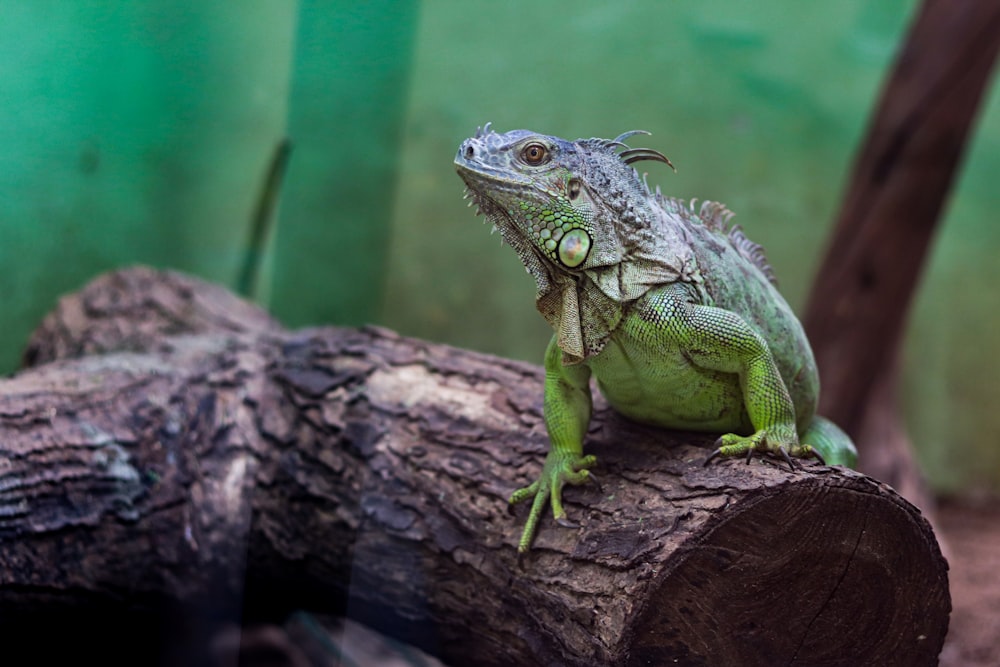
(141, 132)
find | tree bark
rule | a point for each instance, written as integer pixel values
(171, 447)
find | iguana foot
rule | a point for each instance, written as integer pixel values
(775, 441)
(559, 469)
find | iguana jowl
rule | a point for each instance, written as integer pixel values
(672, 311)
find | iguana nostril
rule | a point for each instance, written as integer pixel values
(470, 152)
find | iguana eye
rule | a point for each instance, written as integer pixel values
(535, 154)
(573, 247)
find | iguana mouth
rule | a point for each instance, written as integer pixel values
(484, 183)
(474, 174)
(534, 260)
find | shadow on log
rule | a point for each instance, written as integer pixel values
(172, 448)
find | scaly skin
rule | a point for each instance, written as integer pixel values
(671, 311)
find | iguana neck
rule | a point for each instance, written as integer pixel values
(582, 316)
(586, 307)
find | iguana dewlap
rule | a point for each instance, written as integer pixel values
(673, 312)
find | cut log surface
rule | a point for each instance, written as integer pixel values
(170, 444)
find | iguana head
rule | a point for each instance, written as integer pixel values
(578, 216)
(568, 201)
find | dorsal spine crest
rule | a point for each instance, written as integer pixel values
(716, 216)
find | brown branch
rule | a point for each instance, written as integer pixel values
(209, 461)
(899, 185)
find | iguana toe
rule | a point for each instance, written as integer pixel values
(776, 442)
(558, 471)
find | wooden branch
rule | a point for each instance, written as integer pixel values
(898, 188)
(207, 458)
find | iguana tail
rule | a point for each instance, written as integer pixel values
(831, 442)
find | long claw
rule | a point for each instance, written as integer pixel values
(788, 459)
(716, 453)
(592, 478)
(818, 456)
(713, 455)
(566, 523)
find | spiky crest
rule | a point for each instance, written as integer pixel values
(751, 251)
(716, 216)
(629, 154)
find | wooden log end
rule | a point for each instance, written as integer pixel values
(824, 570)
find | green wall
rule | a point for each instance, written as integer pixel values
(141, 132)
(131, 132)
(352, 63)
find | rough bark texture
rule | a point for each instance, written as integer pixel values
(197, 455)
(898, 188)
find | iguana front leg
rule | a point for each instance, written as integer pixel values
(718, 339)
(567, 409)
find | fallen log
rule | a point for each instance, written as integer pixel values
(171, 447)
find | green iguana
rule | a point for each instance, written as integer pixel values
(673, 311)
